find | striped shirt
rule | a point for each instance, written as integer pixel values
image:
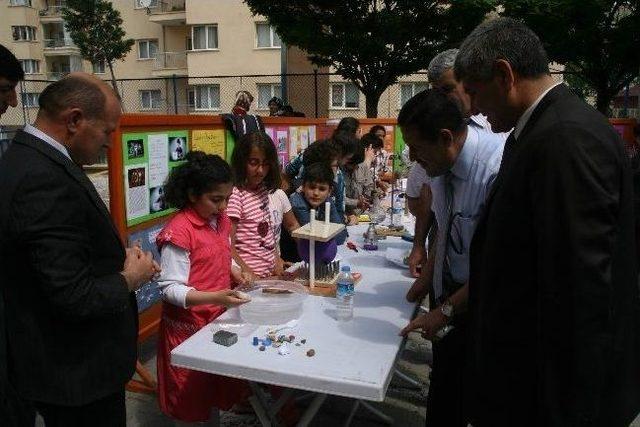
(255, 239)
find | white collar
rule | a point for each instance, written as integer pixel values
(524, 118)
(46, 138)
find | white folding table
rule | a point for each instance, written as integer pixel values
(354, 359)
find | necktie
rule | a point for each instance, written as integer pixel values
(442, 269)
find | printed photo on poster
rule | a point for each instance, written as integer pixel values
(177, 148)
(136, 177)
(137, 191)
(157, 201)
(135, 148)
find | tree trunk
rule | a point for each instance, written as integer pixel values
(113, 81)
(603, 101)
(372, 99)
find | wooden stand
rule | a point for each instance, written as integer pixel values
(321, 232)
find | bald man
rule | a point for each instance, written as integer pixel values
(67, 281)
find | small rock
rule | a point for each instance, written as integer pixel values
(276, 344)
(262, 348)
(311, 353)
(297, 344)
(291, 338)
(303, 341)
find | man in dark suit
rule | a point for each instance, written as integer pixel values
(553, 281)
(66, 279)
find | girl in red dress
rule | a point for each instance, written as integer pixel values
(196, 283)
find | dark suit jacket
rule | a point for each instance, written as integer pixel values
(553, 282)
(70, 321)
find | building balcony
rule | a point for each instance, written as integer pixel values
(169, 13)
(52, 13)
(60, 46)
(170, 63)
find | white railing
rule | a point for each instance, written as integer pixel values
(58, 42)
(52, 11)
(170, 60)
(167, 6)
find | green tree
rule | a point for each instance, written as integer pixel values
(372, 42)
(598, 40)
(96, 28)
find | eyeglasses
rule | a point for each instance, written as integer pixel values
(255, 163)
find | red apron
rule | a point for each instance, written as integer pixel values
(185, 394)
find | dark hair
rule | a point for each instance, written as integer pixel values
(370, 139)
(345, 142)
(319, 173)
(10, 67)
(73, 91)
(358, 155)
(200, 174)
(322, 151)
(430, 111)
(240, 157)
(376, 128)
(349, 125)
(277, 101)
(501, 38)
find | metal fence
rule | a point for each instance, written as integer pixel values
(314, 95)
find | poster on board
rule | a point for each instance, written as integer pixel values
(148, 159)
(210, 141)
(148, 294)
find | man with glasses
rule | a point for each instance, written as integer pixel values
(462, 161)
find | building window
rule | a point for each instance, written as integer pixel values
(147, 49)
(23, 33)
(204, 37)
(266, 92)
(266, 36)
(30, 66)
(207, 97)
(30, 99)
(345, 95)
(139, 4)
(98, 67)
(20, 3)
(408, 90)
(191, 98)
(150, 99)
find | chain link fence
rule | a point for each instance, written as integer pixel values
(313, 95)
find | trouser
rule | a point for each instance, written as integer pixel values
(106, 412)
(446, 386)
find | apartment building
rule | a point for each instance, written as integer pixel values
(179, 45)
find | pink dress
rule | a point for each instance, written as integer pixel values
(185, 394)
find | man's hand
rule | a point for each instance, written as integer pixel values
(419, 289)
(139, 268)
(417, 257)
(430, 323)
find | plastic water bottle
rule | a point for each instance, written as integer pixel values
(344, 295)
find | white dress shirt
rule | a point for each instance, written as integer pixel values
(524, 118)
(46, 138)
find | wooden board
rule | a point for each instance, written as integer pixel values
(326, 289)
(321, 233)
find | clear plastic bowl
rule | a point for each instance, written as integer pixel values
(273, 309)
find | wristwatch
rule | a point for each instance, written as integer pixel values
(447, 309)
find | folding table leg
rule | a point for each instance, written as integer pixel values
(406, 378)
(260, 411)
(312, 410)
